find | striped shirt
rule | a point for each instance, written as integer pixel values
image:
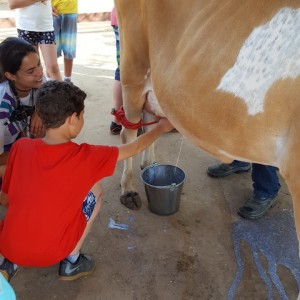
(9, 132)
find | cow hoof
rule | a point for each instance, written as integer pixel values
(131, 200)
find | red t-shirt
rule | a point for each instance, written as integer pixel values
(46, 186)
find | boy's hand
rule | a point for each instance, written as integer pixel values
(165, 125)
(144, 140)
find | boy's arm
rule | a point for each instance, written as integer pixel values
(144, 140)
(12, 4)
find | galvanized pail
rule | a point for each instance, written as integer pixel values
(163, 186)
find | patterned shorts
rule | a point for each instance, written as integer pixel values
(88, 205)
(65, 29)
(36, 38)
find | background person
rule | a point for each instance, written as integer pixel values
(35, 25)
(65, 28)
(115, 127)
(22, 74)
(265, 186)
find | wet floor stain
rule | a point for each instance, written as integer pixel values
(274, 238)
(185, 262)
(112, 224)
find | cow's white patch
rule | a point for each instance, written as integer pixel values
(271, 53)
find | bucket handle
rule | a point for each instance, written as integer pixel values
(172, 187)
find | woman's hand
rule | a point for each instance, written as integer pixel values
(54, 12)
(36, 126)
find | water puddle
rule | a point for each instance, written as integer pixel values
(274, 238)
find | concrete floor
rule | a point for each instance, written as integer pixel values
(204, 251)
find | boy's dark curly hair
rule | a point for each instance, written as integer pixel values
(55, 101)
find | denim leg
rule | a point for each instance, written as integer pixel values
(265, 181)
(238, 163)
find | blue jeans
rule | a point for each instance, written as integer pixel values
(265, 180)
(117, 38)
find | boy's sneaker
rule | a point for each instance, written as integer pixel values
(82, 267)
(8, 270)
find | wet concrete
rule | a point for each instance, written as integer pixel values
(204, 251)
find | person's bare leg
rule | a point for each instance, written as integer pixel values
(50, 60)
(97, 191)
(68, 67)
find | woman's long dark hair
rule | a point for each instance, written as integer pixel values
(12, 52)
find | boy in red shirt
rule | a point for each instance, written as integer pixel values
(51, 186)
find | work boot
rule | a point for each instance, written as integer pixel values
(256, 207)
(223, 170)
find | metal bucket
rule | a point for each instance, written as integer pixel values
(163, 186)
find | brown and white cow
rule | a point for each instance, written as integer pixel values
(225, 72)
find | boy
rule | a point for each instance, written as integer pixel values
(46, 181)
(65, 28)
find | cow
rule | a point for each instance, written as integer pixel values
(224, 72)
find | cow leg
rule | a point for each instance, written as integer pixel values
(134, 78)
(294, 189)
(290, 172)
(133, 104)
(291, 176)
(129, 197)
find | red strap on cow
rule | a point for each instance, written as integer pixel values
(121, 118)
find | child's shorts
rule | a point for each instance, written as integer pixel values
(117, 72)
(36, 38)
(88, 205)
(65, 28)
